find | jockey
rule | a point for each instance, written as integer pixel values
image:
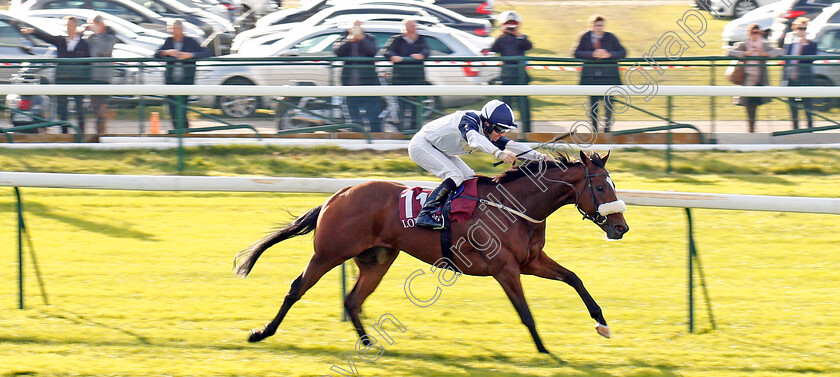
(437, 145)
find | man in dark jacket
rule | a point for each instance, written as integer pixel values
(71, 46)
(356, 43)
(101, 44)
(180, 70)
(513, 43)
(798, 72)
(412, 45)
(601, 47)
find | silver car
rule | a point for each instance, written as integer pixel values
(310, 45)
(125, 31)
(825, 30)
(736, 30)
(737, 8)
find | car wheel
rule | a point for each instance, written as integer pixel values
(742, 7)
(827, 103)
(238, 106)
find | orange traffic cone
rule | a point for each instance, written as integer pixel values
(154, 123)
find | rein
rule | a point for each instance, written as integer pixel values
(504, 207)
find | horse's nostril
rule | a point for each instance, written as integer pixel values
(621, 228)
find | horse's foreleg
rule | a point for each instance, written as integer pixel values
(316, 268)
(373, 264)
(508, 277)
(545, 267)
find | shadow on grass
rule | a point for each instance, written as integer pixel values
(37, 209)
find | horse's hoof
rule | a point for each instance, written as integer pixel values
(603, 330)
(256, 336)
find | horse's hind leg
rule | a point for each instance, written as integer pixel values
(544, 266)
(373, 264)
(317, 267)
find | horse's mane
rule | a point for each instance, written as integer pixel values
(532, 166)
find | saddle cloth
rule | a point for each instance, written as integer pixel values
(461, 209)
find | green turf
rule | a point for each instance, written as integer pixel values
(334, 162)
(140, 284)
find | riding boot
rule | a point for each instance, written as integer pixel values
(438, 196)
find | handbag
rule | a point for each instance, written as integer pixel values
(735, 72)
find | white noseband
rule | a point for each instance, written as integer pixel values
(609, 208)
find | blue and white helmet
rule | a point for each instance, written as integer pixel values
(499, 115)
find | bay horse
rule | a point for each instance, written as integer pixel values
(362, 222)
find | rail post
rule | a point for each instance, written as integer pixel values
(20, 247)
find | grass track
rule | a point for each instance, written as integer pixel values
(140, 285)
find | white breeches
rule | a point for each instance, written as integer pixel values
(437, 162)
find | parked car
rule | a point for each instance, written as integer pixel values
(122, 29)
(317, 43)
(257, 38)
(736, 30)
(124, 9)
(16, 45)
(470, 8)
(338, 14)
(793, 10)
(35, 72)
(447, 17)
(735, 8)
(211, 24)
(825, 30)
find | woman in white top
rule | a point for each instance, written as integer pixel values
(437, 145)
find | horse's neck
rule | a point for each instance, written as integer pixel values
(539, 195)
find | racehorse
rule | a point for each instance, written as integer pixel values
(362, 222)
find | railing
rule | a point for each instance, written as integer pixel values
(647, 82)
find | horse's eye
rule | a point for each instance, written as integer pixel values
(600, 188)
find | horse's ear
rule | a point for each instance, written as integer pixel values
(583, 157)
(606, 157)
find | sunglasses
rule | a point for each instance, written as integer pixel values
(500, 129)
(801, 28)
(755, 31)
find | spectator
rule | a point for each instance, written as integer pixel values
(513, 43)
(755, 71)
(598, 45)
(409, 44)
(71, 46)
(798, 72)
(356, 43)
(179, 71)
(101, 44)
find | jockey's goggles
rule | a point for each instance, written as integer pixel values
(500, 128)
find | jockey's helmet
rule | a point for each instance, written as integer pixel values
(499, 116)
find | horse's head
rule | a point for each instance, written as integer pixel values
(597, 200)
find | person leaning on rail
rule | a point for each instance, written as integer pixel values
(600, 48)
(178, 71)
(411, 45)
(437, 145)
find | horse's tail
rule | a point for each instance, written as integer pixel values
(245, 259)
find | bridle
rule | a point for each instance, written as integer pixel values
(598, 218)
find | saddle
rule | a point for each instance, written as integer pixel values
(459, 207)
